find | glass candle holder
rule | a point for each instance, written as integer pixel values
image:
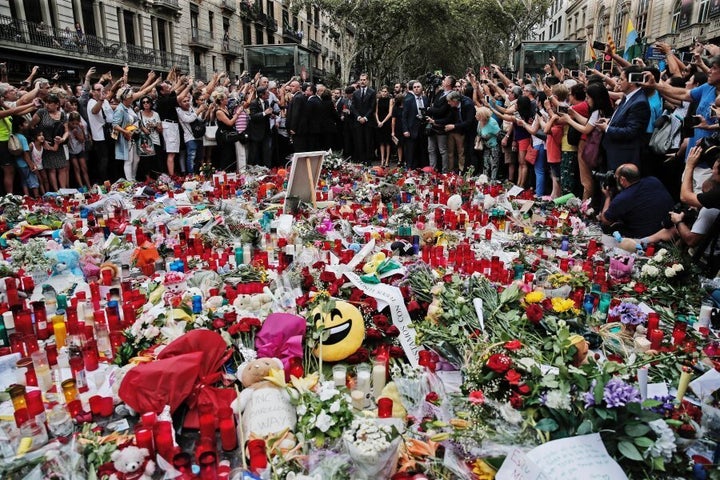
(339, 375)
(144, 438)
(69, 389)
(228, 433)
(257, 454)
(17, 396)
(41, 365)
(385, 406)
(59, 421)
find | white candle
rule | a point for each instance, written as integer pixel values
(339, 375)
(358, 399)
(247, 254)
(363, 381)
(378, 378)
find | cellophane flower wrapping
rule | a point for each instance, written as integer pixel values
(374, 455)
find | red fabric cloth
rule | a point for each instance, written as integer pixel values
(185, 371)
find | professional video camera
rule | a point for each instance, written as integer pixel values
(710, 149)
(433, 80)
(689, 218)
(606, 179)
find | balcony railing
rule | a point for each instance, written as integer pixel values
(314, 46)
(247, 10)
(232, 47)
(271, 24)
(200, 38)
(15, 33)
(292, 35)
(260, 17)
(169, 4)
(228, 6)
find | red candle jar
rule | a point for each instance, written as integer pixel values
(656, 338)
(256, 452)
(163, 439)
(653, 323)
(144, 438)
(385, 406)
(228, 434)
(207, 422)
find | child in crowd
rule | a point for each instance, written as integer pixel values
(36, 153)
(23, 162)
(76, 145)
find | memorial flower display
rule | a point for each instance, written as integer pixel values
(410, 323)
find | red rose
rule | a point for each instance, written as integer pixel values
(516, 401)
(392, 331)
(360, 356)
(397, 352)
(381, 321)
(371, 303)
(373, 334)
(302, 300)
(534, 313)
(433, 398)
(234, 329)
(523, 389)
(546, 304)
(640, 288)
(218, 323)
(355, 295)
(499, 363)
(327, 276)
(513, 345)
(333, 289)
(476, 397)
(413, 306)
(513, 377)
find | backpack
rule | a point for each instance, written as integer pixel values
(666, 134)
(15, 146)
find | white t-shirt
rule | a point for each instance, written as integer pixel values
(706, 218)
(96, 120)
(186, 117)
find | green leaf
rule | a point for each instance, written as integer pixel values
(547, 425)
(643, 442)
(634, 408)
(585, 427)
(636, 429)
(629, 451)
(658, 464)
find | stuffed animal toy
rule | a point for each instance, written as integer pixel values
(67, 262)
(132, 463)
(175, 286)
(265, 407)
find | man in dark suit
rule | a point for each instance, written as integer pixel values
(363, 110)
(440, 115)
(625, 130)
(413, 123)
(260, 150)
(314, 118)
(347, 121)
(295, 118)
(462, 116)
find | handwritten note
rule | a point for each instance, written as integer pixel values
(269, 411)
(583, 457)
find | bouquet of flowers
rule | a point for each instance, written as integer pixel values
(373, 448)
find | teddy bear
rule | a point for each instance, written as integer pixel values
(265, 407)
(175, 285)
(132, 463)
(66, 261)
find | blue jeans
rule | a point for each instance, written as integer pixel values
(191, 148)
(540, 171)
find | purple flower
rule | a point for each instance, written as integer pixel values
(666, 407)
(629, 313)
(589, 396)
(618, 393)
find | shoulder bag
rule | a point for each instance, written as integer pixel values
(209, 139)
(591, 151)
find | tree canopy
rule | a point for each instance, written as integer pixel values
(403, 39)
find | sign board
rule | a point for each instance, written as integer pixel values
(304, 175)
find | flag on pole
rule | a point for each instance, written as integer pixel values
(631, 37)
(611, 43)
(593, 56)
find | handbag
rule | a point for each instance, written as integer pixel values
(244, 137)
(145, 146)
(591, 150)
(479, 145)
(15, 146)
(209, 139)
(227, 136)
(198, 128)
(108, 129)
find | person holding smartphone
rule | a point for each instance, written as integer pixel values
(625, 131)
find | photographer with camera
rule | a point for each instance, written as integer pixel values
(707, 152)
(639, 207)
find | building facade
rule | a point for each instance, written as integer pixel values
(199, 37)
(677, 22)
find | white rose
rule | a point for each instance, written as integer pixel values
(669, 272)
(678, 267)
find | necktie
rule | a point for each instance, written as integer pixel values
(419, 103)
(362, 94)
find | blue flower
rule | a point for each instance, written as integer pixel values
(629, 313)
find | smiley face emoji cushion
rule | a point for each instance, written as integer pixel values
(344, 331)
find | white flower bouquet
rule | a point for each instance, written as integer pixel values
(373, 448)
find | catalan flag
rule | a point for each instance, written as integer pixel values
(631, 36)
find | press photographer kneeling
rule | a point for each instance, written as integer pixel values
(639, 206)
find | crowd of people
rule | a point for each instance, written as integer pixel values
(624, 138)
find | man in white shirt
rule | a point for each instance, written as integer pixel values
(100, 112)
